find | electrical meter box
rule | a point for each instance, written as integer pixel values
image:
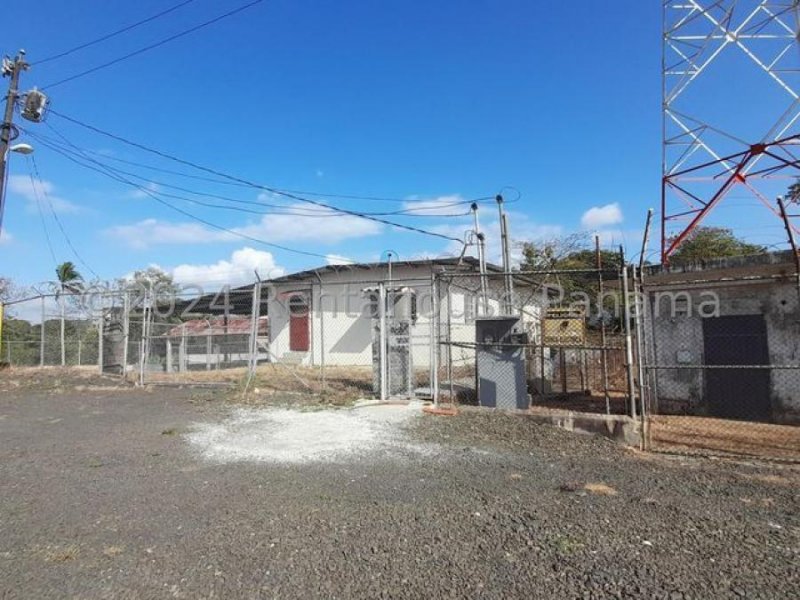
(500, 360)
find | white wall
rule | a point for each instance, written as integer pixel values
(341, 329)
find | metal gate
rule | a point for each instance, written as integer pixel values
(735, 392)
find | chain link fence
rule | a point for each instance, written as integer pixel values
(721, 368)
(540, 340)
(700, 363)
(49, 330)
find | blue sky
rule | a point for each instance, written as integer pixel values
(419, 101)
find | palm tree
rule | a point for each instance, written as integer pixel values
(70, 281)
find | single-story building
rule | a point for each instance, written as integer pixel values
(210, 342)
(328, 316)
(725, 337)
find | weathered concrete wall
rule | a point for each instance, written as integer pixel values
(678, 339)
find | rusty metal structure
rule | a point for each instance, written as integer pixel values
(731, 107)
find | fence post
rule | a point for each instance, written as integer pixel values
(169, 354)
(80, 345)
(435, 339)
(182, 357)
(41, 341)
(100, 343)
(628, 340)
(382, 337)
(449, 311)
(255, 315)
(638, 300)
(208, 352)
(321, 336)
(126, 328)
(601, 311)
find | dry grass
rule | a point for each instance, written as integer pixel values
(699, 434)
(55, 379)
(112, 551)
(61, 554)
(600, 489)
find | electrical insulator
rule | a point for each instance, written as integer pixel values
(35, 106)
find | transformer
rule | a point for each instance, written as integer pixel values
(500, 359)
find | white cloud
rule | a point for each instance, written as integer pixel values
(237, 270)
(299, 224)
(598, 217)
(6, 238)
(151, 232)
(22, 185)
(337, 259)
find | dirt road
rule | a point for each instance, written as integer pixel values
(109, 494)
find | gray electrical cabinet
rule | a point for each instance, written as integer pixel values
(500, 359)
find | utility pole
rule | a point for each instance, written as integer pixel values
(11, 69)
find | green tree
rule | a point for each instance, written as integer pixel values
(713, 242)
(70, 281)
(554, 259)
(793, 193)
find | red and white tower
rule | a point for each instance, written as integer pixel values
(731, 107)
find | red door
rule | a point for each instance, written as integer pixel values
(298, 323)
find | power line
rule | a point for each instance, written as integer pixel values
(113, 33)
(187, 213)
(256, 185)
(41, 217)
(57, 220)
(278, 209)
(154, 45)
(218, 181)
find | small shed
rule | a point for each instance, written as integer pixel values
(725, 337)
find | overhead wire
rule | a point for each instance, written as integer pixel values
(277, 209)
(38, 201)
(217, 180)
(112, 34)
(149, 47)
(252, 184)
(58, 220)
(190, 215)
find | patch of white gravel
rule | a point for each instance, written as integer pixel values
(291, 436)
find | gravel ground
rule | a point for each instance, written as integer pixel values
(104, 495)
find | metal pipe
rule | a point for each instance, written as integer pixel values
(507, 281)
(126, 330)
(645, 238)
(382, 338)
(41, 341)
(432, 339)
(640, 350)
(600, 313)
(481, 261)
(792, 242)
(628, 337)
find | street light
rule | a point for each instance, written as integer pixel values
(19, 149)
